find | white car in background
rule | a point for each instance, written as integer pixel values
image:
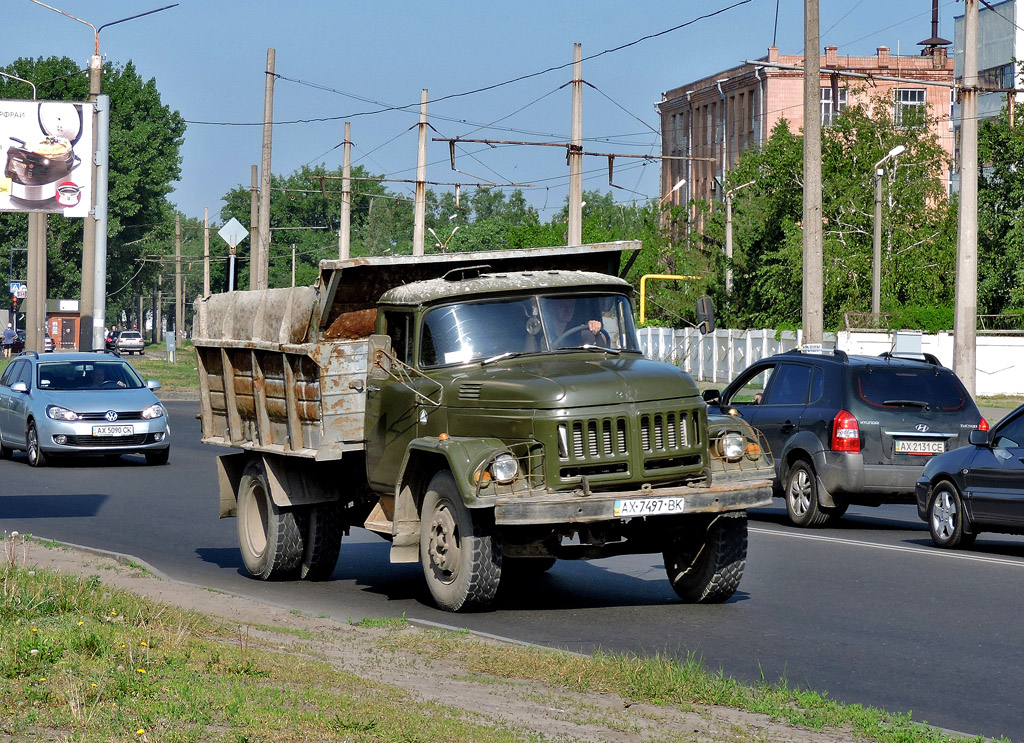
(131, 341)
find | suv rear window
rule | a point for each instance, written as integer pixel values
(892, 388)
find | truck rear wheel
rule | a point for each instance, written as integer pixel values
(269, 537)
(705, 564)
(323, 541)
(461, 558)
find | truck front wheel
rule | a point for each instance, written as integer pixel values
(269, 537)
(705, 563)
(461, 557)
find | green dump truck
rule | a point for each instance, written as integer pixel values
(486, 413)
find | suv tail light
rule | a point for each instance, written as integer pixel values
(845, 432)
(983, 424)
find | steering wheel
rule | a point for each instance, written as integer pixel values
(108, 383)
(567, 333)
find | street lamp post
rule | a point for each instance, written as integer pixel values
(728, 235)
(876, 244)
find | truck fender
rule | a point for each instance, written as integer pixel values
(424, 458)
(461, 455)
(289, 483)
(806, 445)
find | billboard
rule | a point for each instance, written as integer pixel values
(46, 153)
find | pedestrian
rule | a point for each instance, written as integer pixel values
(9, 336)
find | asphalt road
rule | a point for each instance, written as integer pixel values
(868, 612)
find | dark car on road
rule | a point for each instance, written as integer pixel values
(976, 488)
(849, 429)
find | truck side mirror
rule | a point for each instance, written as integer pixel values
(705, 315)
(711, 397)
(379, 361)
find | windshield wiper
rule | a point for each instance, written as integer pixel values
(590, 347)
(505, 355)
(908, 403)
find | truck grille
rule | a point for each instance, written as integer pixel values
(614, 446)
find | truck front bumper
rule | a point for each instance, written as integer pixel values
(577, 507)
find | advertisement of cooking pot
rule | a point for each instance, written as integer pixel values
(45, 152)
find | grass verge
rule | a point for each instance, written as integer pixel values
(82, 661)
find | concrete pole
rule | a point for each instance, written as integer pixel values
(813, 312)
(155, 335)
(34, 304)
(254, 234)
(99, 303)
(293, 264)
(965, 319)
(87, 297)
(345, 229)
(268, 126)
(876, 250)
(206, 252)
(420, 215)
(158, 308)
(575, 154)
(179, 309)
(728, 243)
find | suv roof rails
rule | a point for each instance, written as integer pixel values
(840, 356)
(924, 358)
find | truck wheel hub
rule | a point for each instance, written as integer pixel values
(444, 549)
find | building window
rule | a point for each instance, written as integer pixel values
(996, 77)
(909, 107)
(828, 111)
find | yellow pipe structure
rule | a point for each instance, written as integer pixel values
(643, 287)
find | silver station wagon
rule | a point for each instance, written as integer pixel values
(80, 403)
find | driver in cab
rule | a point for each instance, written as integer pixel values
(102, 379)
(565, 332)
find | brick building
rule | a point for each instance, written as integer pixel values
(719, 116)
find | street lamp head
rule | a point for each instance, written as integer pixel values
(897, 150)
(666, 197)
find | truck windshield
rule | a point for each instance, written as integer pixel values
(473, 331)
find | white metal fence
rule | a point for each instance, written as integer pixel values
(718, 357)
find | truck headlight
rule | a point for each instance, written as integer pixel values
(731, 446)
(57, 413)
(505, 468)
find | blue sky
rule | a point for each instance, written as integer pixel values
(342, 59)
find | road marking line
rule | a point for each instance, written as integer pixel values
(934, 552)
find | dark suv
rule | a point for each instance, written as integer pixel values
(850, 429)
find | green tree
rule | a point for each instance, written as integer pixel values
(1001, 216)
(918, 231)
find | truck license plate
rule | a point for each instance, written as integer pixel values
(920, 448)
(648, 506)
(113, 430)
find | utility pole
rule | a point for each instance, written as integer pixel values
(179, 309)
(263, 268)
(419, 222)
(813, 319)
(254, 259)
(345, 229)
(206, 252)
(575, 154)
(88, 293)
(100, 182)
(35, 302)
(293, 264)
(965, 319)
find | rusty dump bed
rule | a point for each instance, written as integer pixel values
(283, 370)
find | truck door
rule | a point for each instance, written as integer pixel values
(392, 409)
